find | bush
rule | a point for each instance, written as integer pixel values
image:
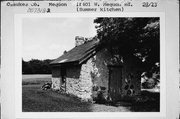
(150, 83)
(99, 94)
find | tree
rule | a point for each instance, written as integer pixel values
(138, 37)
(35, 66)
(26, 68)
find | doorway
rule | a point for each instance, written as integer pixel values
(115, 82)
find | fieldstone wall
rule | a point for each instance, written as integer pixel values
(56, 78)
(131, 80)
(92, 77)
(79, 82)
(72, 81)
(87, 80)
(56, 83)
(100, 74)
(73, 86)
(93, 73)
(131, 83)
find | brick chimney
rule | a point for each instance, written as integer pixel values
(79, 40)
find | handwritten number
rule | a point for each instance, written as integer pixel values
(149, 4)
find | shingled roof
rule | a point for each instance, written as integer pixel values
(78, 54)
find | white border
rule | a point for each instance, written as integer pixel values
(18, 68)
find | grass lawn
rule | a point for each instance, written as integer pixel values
(35, 79)
(37, 100)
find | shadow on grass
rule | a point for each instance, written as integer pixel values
(146, 102)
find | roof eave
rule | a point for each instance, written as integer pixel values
(65, 63)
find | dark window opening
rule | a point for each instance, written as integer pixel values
(63, 74)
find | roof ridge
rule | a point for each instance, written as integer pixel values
(77, 53)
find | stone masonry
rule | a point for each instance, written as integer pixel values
(82, 78)
(82, 86)
(56, 83)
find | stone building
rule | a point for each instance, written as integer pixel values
(87, 70)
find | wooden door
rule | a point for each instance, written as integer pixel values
(115, 82)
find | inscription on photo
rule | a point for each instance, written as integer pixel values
(39, 10)
(84, 6)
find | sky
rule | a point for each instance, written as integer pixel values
(47, 38)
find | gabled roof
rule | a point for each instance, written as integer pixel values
(78, 54)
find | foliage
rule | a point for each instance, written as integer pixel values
(135, 37)
(36, 66)
(149, 84)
